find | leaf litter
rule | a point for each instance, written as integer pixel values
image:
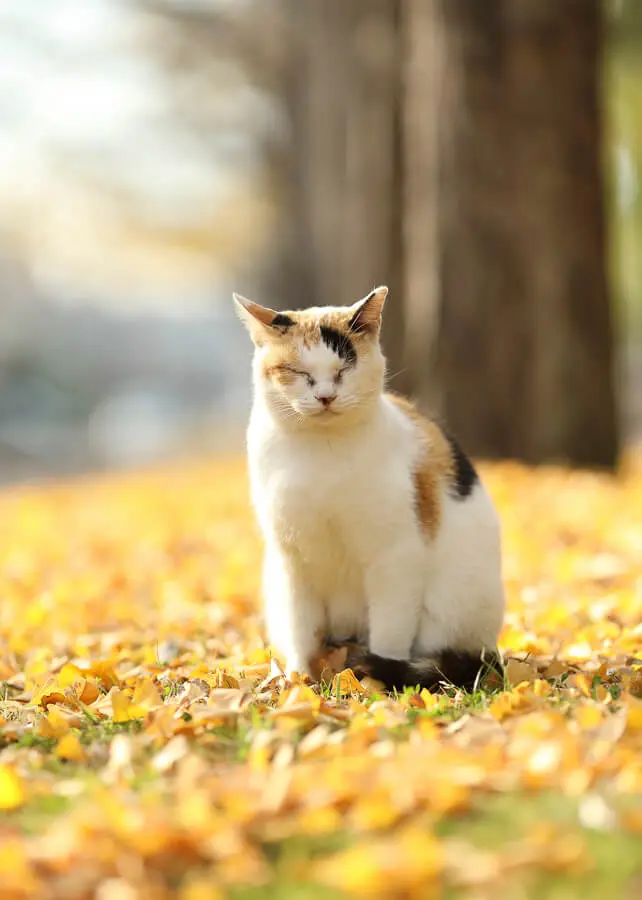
(150, 747)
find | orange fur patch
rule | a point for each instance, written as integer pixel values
(281, 350)
(435, 467)
(280, 355)
(308, 324)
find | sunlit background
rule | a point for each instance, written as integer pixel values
(136, 152)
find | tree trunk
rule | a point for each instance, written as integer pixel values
(451, 149)
(504, 199)
(344, 101)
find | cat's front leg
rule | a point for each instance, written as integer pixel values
(395, 585)
(294, 615)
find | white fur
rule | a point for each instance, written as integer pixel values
(345, 554)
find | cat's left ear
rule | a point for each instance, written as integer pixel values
(261, 321)
(366, 317)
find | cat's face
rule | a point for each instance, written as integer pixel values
(318, 365)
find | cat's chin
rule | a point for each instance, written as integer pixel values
(319, 415)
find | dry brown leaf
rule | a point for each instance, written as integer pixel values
(516, 672)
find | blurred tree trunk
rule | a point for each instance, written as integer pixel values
(343, 91)
(504, 197)
(451, 149)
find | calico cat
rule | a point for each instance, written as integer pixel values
(376, 526)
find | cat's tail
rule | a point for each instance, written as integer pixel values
(459, 668)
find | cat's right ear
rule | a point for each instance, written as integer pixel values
(260, 321)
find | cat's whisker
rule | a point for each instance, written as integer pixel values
(389, 376)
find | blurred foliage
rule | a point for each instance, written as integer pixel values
(623, 103)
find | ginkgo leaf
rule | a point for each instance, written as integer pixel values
(50, 692)
(347, 683)
(70, 748)
(12, 792)
(146, 695)
(70, 675)
(54, 724)
(124, 709)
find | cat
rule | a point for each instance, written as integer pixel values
(377, 528)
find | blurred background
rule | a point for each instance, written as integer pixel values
(482, 159)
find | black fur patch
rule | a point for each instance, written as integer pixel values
(459, 668)
(282, 321)
(465, 475)
(339, 343)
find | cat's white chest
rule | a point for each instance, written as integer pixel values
(323, 493)
(333, 505)
(315, 503)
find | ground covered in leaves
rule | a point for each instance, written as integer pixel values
(147, 752)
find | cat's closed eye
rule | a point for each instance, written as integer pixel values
(301, 374)
(338, 378)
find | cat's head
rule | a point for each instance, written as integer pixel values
(320, 365)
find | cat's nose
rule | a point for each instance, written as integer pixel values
(326, 399)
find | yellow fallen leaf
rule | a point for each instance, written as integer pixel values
(124, 710)
(408, 860)
(634, 715)
(49, 692)
(74, 680)
(541, 688)
(70, 748)
(104, 671)
(346, 683)
(298, 694)
(200, 888)
(54, 724)
(589, 716)
(12, 792)
(90, 692)
(70, 675)
(146, 695)
(17, 875)
(374, 812)
(298, 705)
(582, 682)
(508, 703)
(429, 699)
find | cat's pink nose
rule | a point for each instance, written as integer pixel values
(326, 399)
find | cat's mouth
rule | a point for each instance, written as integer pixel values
(327, 412)
(318, 413)
(321, 412)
